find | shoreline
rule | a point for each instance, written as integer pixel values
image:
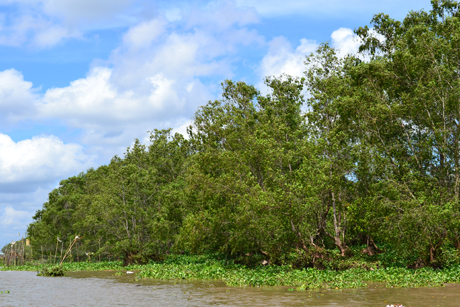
(271, 276)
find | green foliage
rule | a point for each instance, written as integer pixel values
(215, 267)
(363, 173)
(202, 268)
(77, 266)
(132, 207)
(51, 270)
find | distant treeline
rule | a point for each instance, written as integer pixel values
(363, 151)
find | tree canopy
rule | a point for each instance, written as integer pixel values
(363, 151)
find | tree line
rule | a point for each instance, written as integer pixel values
(361, 152)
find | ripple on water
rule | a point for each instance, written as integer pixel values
(107, 289)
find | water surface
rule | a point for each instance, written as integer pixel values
(107, 289)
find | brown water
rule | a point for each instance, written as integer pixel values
(107, 289)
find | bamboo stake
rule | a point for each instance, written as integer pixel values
(55, 254)
(69, 249)
(23, 250)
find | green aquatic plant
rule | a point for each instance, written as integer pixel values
(78, 266)
(52, 271)
(199, 268)
(209, 267)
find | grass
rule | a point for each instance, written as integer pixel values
(210, 268)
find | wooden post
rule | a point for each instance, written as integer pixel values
(23, 250)
(62, 246)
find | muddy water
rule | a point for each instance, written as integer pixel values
(107, 289)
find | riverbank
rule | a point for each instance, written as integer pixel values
(204, 268)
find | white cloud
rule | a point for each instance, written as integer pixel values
(74, 11)
(336, 8)
(17, 209)
(218, 16)
(173, 14)
(42, 159)
(45, 23)
(14, 219)
(154, 79)
(51, 36)
(282, 59)
(345, 41)
(182, 129)
(95, 102)
(82, 10)
(142, 35)
(35, 31)
(17, 97)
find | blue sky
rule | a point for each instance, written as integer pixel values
(81, 79)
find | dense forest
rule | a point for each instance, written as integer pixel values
(361, 155)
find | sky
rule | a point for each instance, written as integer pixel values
(81, 79)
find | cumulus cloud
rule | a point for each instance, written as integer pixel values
(182, 129)
(33, 30)
(17, 97)
(12, 222)
(96, 103)
(45, 23)
(345, 41)
(334, 8)
(143, 34)
(17, 210)
(12, 218)
(158, 76)
(82, 10)
(282, 58)
(153, 79)
(218, 16)
(26, 164)
(50, 36)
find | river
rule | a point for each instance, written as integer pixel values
(107, 289)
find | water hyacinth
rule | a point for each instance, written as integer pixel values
(233, 274)
(78, 266)
(202, 268)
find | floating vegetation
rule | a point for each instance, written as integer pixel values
(52, 271)
(79, 266)
(201, 268)
(210, 268)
